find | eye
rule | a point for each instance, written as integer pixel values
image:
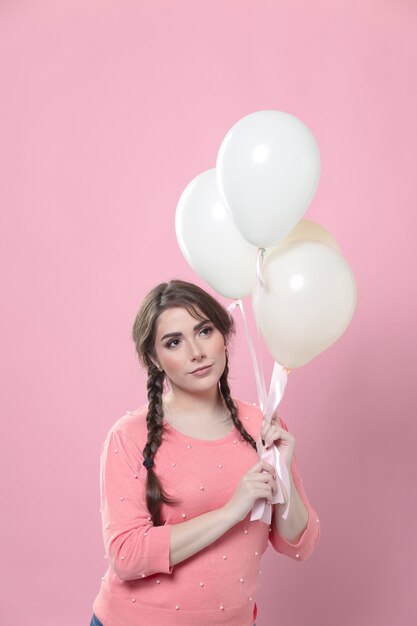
(209, 328)
(168, 345)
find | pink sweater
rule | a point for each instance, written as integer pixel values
(217, 585)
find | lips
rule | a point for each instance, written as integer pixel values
(199, 369)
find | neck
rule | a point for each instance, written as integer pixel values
(205, 403)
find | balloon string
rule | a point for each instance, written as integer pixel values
(259, 386)
(268, 402)
(256, 295)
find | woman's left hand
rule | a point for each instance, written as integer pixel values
(273, 433)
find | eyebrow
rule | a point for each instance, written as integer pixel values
(178, 334)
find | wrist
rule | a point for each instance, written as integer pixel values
(229, 514)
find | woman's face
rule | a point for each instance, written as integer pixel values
(183, 344)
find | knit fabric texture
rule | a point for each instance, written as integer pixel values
(217, 585)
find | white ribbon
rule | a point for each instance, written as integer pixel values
(268, 402)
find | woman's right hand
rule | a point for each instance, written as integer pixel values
(258, 482)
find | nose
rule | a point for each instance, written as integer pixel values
(196, 352)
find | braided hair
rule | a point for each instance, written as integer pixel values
(166, 295)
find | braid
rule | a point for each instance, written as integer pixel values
(202, 306)
(225, 389)
(154, 491)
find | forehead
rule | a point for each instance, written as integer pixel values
(176, 319)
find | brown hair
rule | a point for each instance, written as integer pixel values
(162, 297)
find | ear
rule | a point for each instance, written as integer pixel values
(156, 364)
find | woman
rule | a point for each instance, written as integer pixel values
(180, 475)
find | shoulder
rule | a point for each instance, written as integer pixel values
(131, 425)
(251, 411)
(250, 415)
(245, 407)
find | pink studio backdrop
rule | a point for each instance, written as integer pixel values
(108, 110)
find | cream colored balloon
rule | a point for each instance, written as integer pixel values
(307, 302)
(310, 231)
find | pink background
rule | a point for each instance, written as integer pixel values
(108, 110)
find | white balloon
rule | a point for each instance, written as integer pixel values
(210, 241)
(268, 168)
(308, 300)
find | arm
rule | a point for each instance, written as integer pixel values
(135, 548)
(191, 536)
(298, 535)
(294, 526)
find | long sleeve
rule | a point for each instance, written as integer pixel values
(135, 548)
(307, 543)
